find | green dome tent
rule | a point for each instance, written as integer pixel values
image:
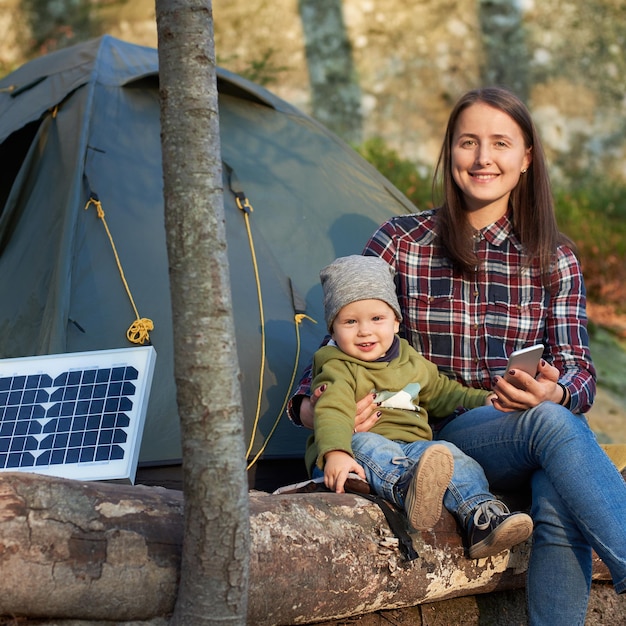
(83, 123)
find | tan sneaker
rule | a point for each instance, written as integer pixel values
(424, 496)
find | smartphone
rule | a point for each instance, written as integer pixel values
(526, 359)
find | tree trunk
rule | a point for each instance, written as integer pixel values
(335, 91)
(506, 59)
(214, 575)
(96, 551)
(60, 23)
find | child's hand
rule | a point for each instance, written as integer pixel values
(337, 466)
(489, 400)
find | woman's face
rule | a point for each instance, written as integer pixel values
(488, 157)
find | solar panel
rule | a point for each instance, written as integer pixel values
(77, 415)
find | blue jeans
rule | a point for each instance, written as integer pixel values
(388, 462)
(578, 499)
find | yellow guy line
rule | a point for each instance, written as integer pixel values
(138, 331)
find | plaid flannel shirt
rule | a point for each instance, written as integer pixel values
(468, 327)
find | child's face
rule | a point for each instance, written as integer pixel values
(365, 329)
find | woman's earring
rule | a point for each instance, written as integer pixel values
(524, 171)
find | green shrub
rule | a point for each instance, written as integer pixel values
(594, 217)
(414, 182)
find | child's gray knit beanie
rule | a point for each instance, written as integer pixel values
(357, 277)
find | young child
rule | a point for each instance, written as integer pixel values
(397, 457)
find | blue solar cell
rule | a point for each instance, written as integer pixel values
(68, 408)
(34, 427)
(43, 459)
(96, 406)
(21, 428)
(63, 425)
(15, 397)
(17, 444)
(57, 395)
(29, 396)
(70, 392)
(61, 380)
(119, 436)
(25, 412)
(87, 454)
(75, 440)
(60, 440)
(73, 378)
(103, 453)
(90, 438)
(85, 392)
(19, 382)
(46, 443)
(89, 376)
(100, 391)
(10, 412)
(105, 437)
(82, 407)
(103, 375)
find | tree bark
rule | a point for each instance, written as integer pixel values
(95, 551)
(84, 550)
(335, 91)
(214, 574)
(506, 60)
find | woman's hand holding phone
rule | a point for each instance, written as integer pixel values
(528, 381)
(526, 359)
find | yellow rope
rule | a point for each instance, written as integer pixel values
(244, 205)
(298, 320)
(139, 330)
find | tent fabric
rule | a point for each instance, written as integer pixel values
(85, 120)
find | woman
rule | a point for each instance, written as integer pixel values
(485, 274)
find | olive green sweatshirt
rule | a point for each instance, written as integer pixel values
(410, 389)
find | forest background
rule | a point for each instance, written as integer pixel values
(383, 74)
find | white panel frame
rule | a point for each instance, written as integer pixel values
(141, 358)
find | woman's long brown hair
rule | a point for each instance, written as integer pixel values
(531, 201)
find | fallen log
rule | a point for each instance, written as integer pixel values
(87, 550)
(332, 556)
(97, 551)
